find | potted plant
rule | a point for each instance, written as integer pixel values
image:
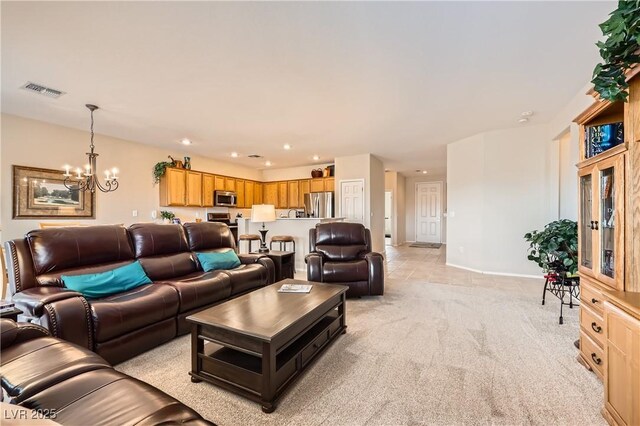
(620, 51)
(167, 216)
(555, 248)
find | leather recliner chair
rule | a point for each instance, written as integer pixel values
(340, 253)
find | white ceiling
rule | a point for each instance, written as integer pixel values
(398, 80)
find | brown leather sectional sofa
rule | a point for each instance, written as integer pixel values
(126, 324)
(54, 379)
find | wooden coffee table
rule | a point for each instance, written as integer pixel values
(257, 344)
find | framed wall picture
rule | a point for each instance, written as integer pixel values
(41, 193)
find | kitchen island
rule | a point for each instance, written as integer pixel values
(298, 228)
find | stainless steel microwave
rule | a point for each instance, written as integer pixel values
(225, 198)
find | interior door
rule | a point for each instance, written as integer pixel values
(352, 200)
(429, 212)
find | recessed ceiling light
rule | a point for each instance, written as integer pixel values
(316, 157)
(523, 120)
(527, 113)
(287, 146)
(234, 154)
(267, 163)
(185, 141)
(424, 172)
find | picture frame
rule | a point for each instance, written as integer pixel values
(41, 193)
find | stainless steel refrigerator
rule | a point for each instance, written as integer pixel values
(319, 204)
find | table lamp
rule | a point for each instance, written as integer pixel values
(263, 213)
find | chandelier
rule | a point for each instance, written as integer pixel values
(87, 180)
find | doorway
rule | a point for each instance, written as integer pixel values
(429, 212)
(388, 217)
(352, 200)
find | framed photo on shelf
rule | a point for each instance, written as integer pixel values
(41, 193)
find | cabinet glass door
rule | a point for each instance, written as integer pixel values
(586, 221)
(607, 222)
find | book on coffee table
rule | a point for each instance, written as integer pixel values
(295, 288)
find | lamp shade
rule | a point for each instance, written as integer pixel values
(263, 213)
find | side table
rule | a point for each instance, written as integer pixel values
(12, 314)
(285, 262)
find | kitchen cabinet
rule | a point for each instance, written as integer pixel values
(317, 185)
(305, 188)
(219, 183)
(173, 187)
(329, 184)
(622, 369)
(249, 187)
(194, 189)
(229, 184)
(258, 193)
(283, 199)
(271, 193)
(293, 194)
(208, 186)
(240, 193)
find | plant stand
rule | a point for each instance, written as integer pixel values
(561, 286)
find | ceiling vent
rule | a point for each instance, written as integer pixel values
(43, 90)
(254, 156)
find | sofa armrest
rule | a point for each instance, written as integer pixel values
(375, 261)
(248, 259)
(314, 263)
(12, 332)
(32, 300)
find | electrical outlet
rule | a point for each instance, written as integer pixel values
(134, 213)
(154, 214)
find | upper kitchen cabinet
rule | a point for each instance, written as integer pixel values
(304, 188)
(283, 199)
(219, 183)
(258, 193)
(317, 185)
(240, 203)
(329, 184)
(173, 187)
(293, 194)
(271, 193)
(229, 184)
(208, 186)
(249, 189)
(194, 189)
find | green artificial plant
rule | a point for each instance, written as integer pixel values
(165, 214)
(555, 248)
(620, 51)
(159, 169)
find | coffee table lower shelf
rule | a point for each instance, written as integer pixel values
(237, 365)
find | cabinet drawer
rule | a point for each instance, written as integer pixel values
(593, 325)
(592, 354)
(591, 298)
(315, 346)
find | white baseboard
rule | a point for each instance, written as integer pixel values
(504, 274)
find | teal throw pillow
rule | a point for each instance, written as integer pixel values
(109, 282)
(214, 261)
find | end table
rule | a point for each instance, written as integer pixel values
(285, 262)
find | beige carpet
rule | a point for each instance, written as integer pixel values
(443, 346)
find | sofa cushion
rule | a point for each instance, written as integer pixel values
(34, 365)
(247, 277)
(108, 397)
(352, 270)
(215, 261)
(121, 313)
(152, 239)
(209, 235)
(201, 289)
(56, 249)
(109, 282)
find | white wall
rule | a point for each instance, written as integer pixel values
(371, 170)
(33, 143)
(410, 204)
(498, 189)
(568, 191)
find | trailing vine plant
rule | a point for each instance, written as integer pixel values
(620, 51)
(159, 169)
(555, 248)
